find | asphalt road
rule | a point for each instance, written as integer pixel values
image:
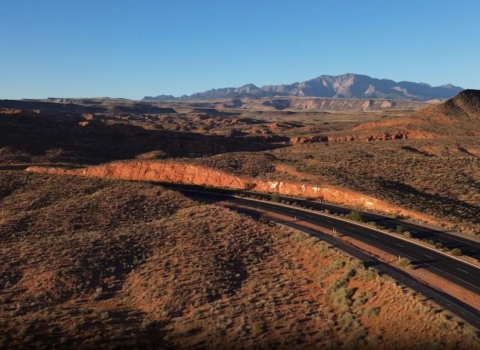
(462, 310)
(453, 270)
(468, 246)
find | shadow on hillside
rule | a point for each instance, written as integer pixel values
(423, 201)
(63, 140)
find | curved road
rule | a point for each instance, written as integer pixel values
(468, 246)
(453, 270)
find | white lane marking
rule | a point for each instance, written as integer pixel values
(433, 267)
(462, 270)
(400, 245)
(428, 256)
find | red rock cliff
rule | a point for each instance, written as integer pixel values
(181, 173)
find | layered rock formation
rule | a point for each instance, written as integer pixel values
(181, 173)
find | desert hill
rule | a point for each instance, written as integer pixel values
(458, 116)
(464, 106)
(341, 86)
(98, 264)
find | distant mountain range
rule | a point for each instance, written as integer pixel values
(327, 86)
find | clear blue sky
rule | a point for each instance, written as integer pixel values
(63, 48)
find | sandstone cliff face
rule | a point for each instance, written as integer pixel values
(327, 104)
(180, 173)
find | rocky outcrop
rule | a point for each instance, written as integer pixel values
(309, 139)
(181, 173)
(381, 136)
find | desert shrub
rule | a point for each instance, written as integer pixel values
(343, 296)
(257, 328)
(264, 219)
(407, 234)
(337, 265)
(373, 311)
(275, 197)
(456, 252)
(400, 229)
(299, 237)
(405, 262)
(355, 215)
(368, 274)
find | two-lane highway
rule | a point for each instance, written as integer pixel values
(462, 310)
(451, 269)
(468, 246)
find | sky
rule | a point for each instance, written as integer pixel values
(129, 49)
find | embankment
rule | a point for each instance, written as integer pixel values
(180, 173)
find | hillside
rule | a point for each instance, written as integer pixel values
(458, 116)
(100, 264)
(341, 86)
(465, 106)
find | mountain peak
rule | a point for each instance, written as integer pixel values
(347, 85)
(249, 86)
